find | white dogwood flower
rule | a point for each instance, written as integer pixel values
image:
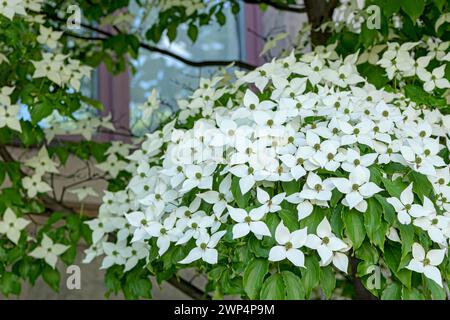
(9, 117)
(427, 263)
(248, 221)
(405, 206)
(435, 79)
(12, 226)
(10, 8)
(34, 185)
(289, 245)
(325, 242)
(269, 204)
(49, 251)
(356, 188)
(317, 189)
(205, 249)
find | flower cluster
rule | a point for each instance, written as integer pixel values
(61, 70)
(8, 111)
(297, 135)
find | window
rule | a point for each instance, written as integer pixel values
(175, 80)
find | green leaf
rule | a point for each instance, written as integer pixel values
(290, 187)
(392, 292)
(407, 237)
(273, 288)
(354, 226)
(392, 257)
(51, 277)
(388, 210)
(413, 8)
(220, 16)
(293, 286)
(241, 200)
(367, 253)
(411, 294)
(40, 111)
(10, 284)
(394, 188)
(310, 275)
(140, 287)
(421, 97)
(313, 220)
(192, 32)
(421, 185)
(172, 32)
(327, 281)
(253, 277)
(92, 102)
(290, 219)
(372, 218)
(437, 292)
(439, 4)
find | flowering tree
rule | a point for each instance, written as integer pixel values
(323, 173)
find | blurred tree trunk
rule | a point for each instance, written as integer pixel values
(319, 11)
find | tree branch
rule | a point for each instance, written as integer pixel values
(278, 5)
(202, 63)
(189, 289)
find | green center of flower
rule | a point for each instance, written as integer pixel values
(325, 240)
(288, 245)
(318, 187)
(198, 175)
(248, 219)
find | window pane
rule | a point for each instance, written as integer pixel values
(173, 79)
